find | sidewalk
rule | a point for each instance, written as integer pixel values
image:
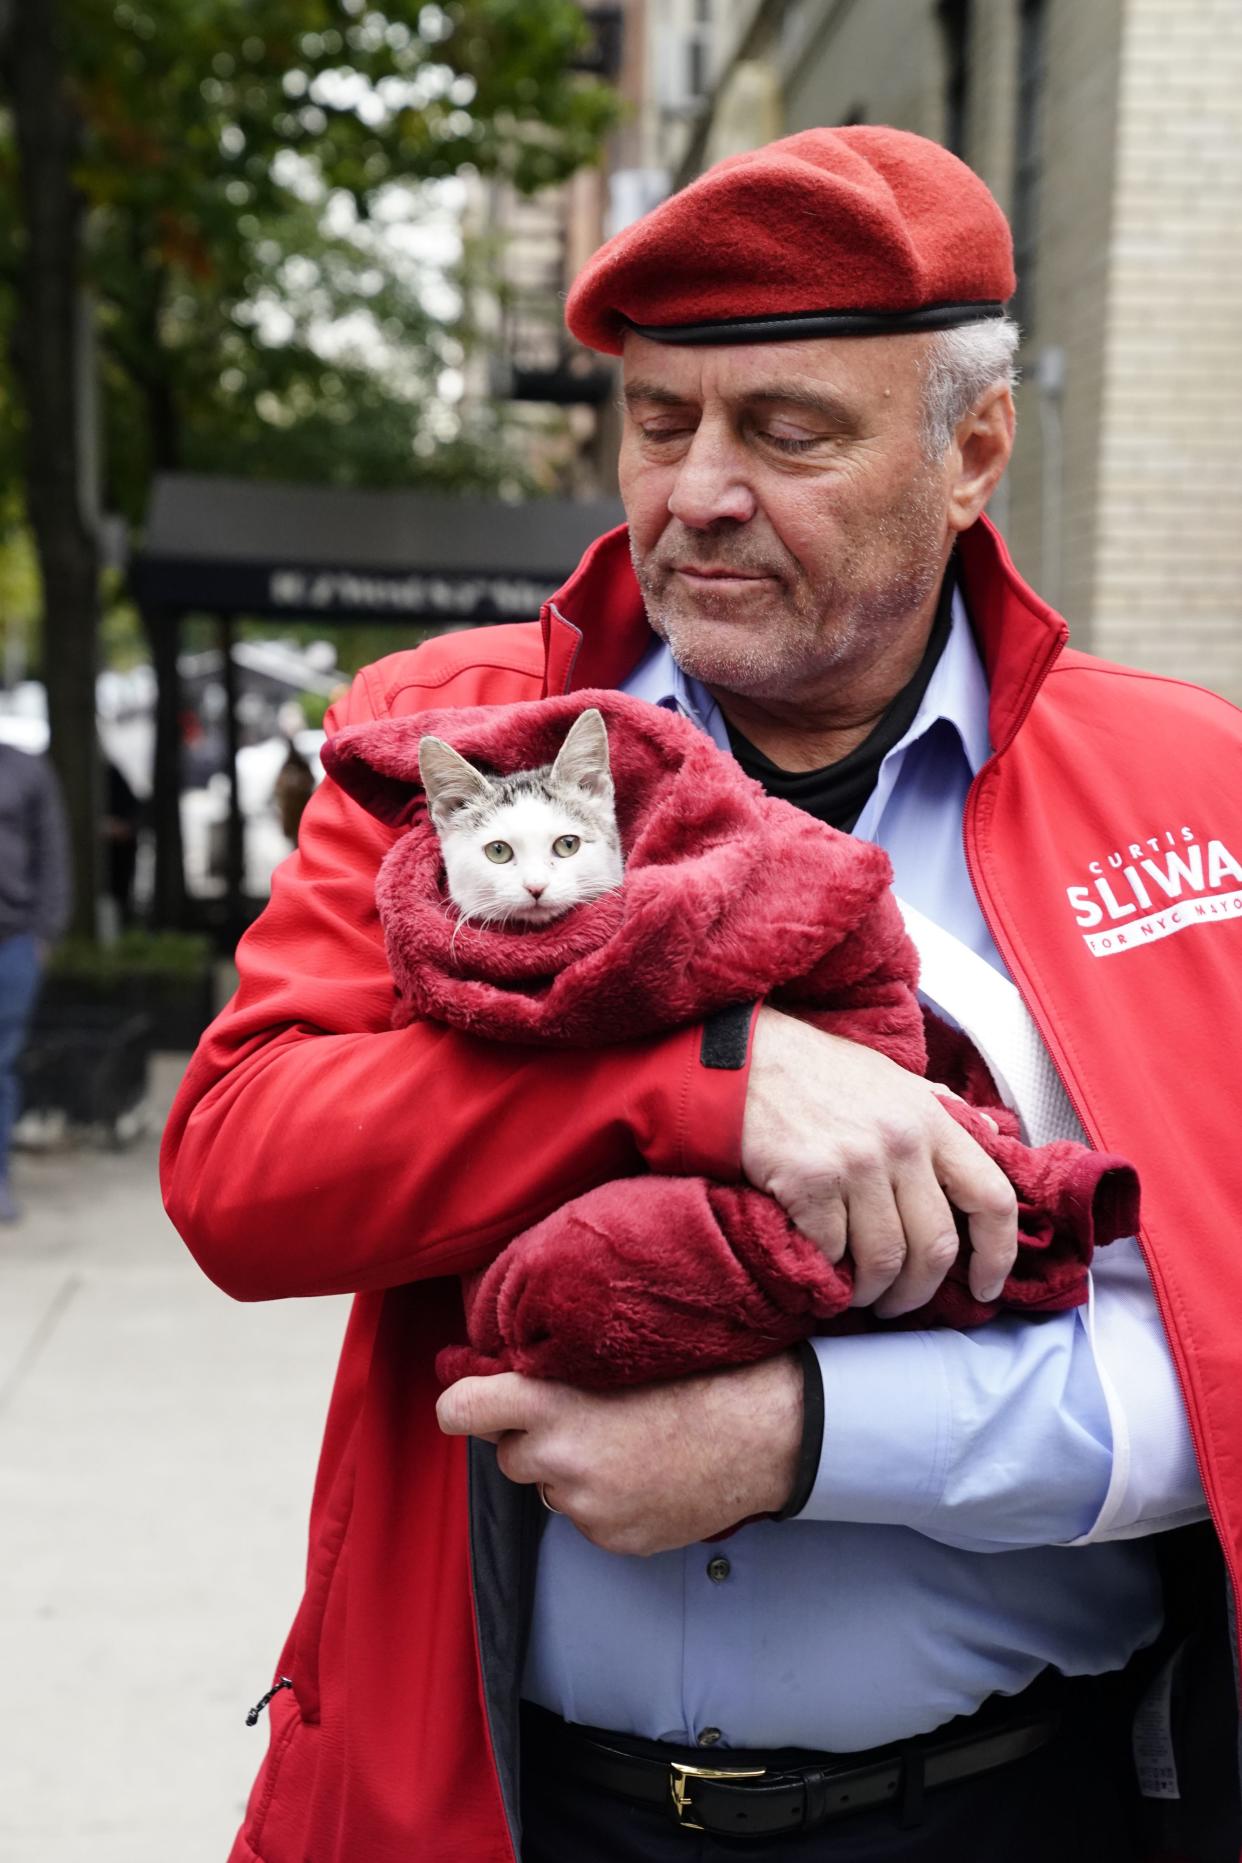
(157, 1446)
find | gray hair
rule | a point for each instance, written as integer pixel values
(960, 365)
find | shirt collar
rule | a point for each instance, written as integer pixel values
(957, 693)
(658, 679)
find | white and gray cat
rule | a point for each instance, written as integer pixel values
(523, 849)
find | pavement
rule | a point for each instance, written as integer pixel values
(157, 1448)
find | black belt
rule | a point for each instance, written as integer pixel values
(760, 1795)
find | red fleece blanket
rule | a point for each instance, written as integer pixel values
(729, 895)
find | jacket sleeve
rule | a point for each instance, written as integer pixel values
(312, 1149)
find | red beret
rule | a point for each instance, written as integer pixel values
(832, 232)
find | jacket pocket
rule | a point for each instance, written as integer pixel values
(277, 1826)
(303, 1647)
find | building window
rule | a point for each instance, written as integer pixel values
(953, 18)
(698, 50)
(696, 68)
(1028, 155)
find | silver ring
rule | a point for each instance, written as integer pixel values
(541, 1491)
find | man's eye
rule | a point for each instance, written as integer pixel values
(499, 851)
(566, 844)
(660, 434)
(784, 443)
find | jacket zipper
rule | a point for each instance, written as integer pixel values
(1080, 1111)
(253, 1714)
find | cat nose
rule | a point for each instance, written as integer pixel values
(536, 891)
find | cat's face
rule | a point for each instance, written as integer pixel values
(523, 849)
(528, 860)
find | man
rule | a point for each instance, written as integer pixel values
(817, 407)
(34, 905)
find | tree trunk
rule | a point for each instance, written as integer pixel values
(45, 359)
(168, 906)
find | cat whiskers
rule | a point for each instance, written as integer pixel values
(483, 921)
(458, 923)
(459, 919)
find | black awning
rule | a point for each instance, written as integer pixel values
(240, 547)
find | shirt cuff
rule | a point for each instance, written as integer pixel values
(987, 1440)
(869, 1470)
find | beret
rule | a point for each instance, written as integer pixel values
(832, 232)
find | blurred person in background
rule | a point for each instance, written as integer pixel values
(34, 909)
(119, 830)
(295, 780)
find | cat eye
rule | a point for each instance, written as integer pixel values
(499, 851)
(566, 844)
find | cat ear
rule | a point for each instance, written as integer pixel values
(450, 782)
(582, 761)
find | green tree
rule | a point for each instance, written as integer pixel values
(45, 347)
(217, 129)
(213, 172)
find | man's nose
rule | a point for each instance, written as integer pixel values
(712, 483)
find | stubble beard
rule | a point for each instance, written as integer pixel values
(819, 632)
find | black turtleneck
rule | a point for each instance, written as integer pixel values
(838, 793)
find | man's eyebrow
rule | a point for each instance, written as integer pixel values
(634, 392)
(815, 400)
(821, 401)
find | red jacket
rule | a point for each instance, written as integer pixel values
(312, 1149)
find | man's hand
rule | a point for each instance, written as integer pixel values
(644, 1470)
(858, 1153)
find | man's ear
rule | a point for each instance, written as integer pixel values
(450, 782)
(582, 761)
(982, 444)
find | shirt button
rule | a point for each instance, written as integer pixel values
(718, 1570)
(709, 1736)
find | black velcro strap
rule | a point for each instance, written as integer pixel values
(812, 1446)
(726, 1036)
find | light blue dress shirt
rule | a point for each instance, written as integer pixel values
(878, 1613)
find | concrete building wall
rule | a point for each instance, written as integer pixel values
(885, 61)
(990, 104)
(1050, 513)
(1168, 584)
(878, 61)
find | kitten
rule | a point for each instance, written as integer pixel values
(523, 849)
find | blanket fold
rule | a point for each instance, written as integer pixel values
(729, 896)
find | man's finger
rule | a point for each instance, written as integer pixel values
(931, 1245)
(486, 1407)
(877, 1238)
(516, 1460)
(827, 1225)
(981, 1191)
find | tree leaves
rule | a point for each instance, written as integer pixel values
(217, 137)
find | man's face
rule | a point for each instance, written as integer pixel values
(787, 531)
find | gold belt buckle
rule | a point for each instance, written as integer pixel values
(680, 1775)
